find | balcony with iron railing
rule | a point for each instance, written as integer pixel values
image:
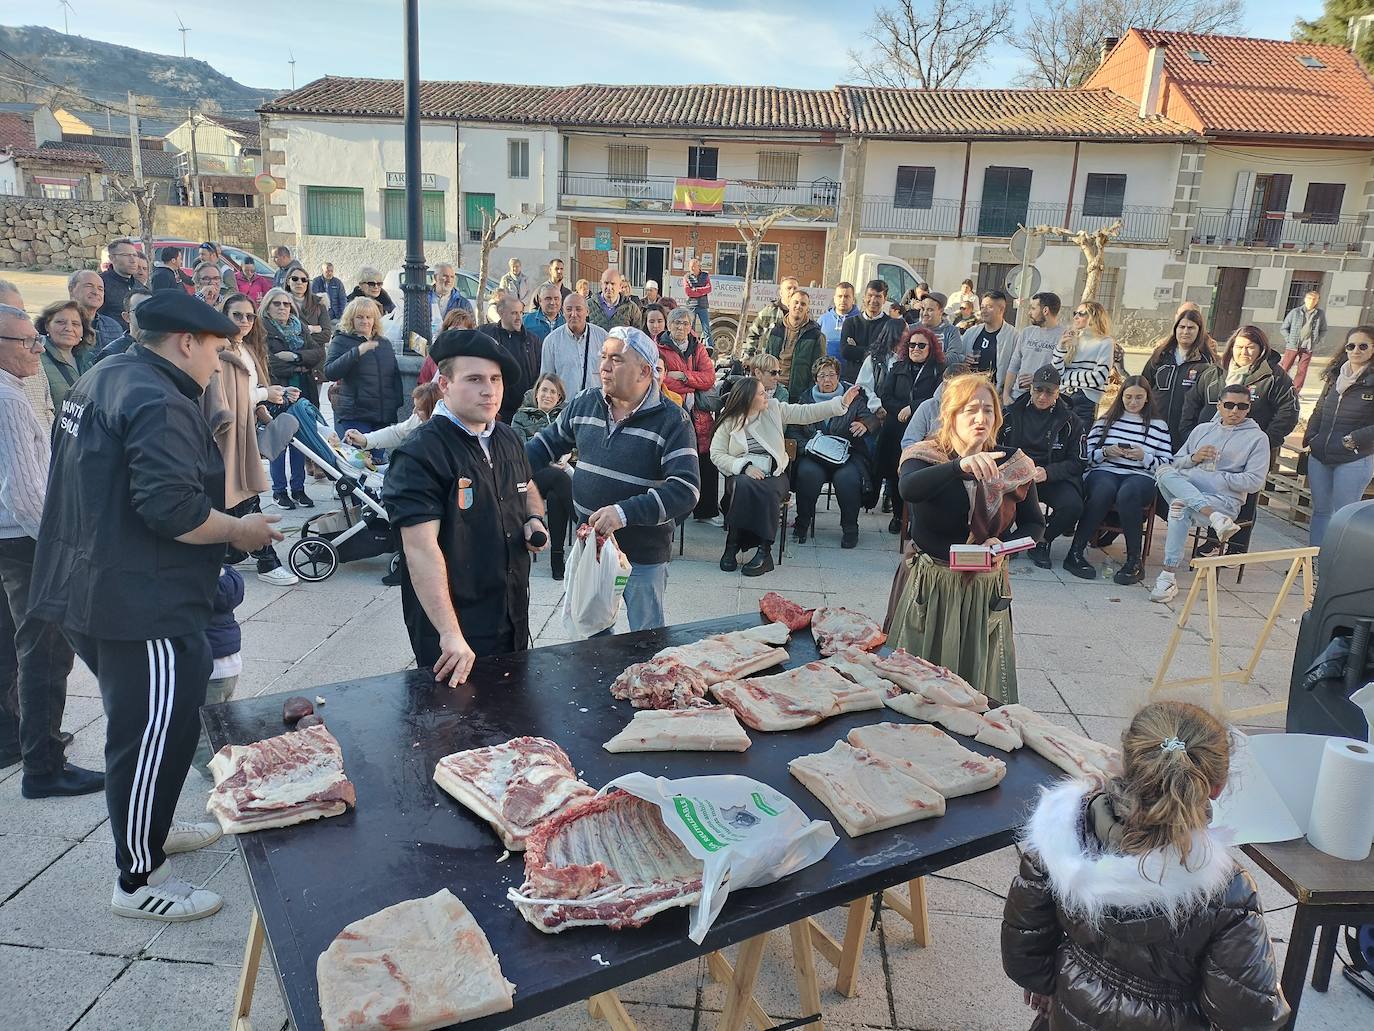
(815, 201)
(1281, 230)
(942, 217)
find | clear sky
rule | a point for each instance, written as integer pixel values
(674, 41)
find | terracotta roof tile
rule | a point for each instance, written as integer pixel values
(1035, 113)
(160, 164)
(48, 155)
(715, 107)
(1259, 86)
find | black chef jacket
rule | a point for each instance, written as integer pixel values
(441, 472)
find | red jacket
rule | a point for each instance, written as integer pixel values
(256, 288)
(701, 375)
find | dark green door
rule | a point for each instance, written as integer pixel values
(1006, 197)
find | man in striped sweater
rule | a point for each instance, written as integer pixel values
(637, 470)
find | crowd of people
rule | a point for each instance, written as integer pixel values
(132, 483)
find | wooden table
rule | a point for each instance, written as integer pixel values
(407, 838)
(1330, 893)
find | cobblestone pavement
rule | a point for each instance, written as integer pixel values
(1086, 650)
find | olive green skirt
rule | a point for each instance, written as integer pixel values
(951, 619)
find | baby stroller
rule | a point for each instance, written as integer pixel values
(360, 529)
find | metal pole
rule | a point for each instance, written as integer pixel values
(194, 198)
(413, 275)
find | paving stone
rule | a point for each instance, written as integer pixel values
(58, 985)
(957, 983)
(24, 856)
(70, 818)
(266, 639)
(1101, 692)
(157, 995)
(217, 939)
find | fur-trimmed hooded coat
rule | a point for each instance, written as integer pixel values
(1177, 949)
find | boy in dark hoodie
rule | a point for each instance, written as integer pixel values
(225, 639)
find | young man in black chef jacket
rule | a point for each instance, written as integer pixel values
(461, 493)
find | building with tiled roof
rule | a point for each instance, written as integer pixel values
(1236, 87)
(931, 182)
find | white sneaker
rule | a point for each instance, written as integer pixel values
(1224, 526)
(718, 521)
(165, 898)
(187, 837)
(1165, 590)
(279, 577)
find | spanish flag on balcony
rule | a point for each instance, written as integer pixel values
(699, 195)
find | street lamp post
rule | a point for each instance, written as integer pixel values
(415, 288)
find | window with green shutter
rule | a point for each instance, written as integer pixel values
(394, 214)
(334, 211)
(478, 210)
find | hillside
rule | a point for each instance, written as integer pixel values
(107, 72)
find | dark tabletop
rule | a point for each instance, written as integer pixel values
(1313, 877)
(408, 839)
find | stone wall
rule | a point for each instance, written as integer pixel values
(237, 227)
(59, 234)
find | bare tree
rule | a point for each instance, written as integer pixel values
(144, 199)
(1093, 243)
(752, 231)
(929, 46)
(1063, 42)
(493, 234)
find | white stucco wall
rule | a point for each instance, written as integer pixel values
(736, 160)
(882, 159)
(359, 153)
(1305, 164)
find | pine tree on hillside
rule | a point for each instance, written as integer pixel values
(1334, 27)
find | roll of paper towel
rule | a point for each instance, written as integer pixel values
(1343, 804)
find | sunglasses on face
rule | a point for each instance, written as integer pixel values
(369, 282)
(1080, 314)
(1232, 406)
(242, 316)
(297, 279)
(1353, 347)
(917, 345)
(280, 304)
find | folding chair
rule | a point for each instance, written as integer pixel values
(1111, 529)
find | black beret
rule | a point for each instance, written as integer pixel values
(175, 311)
(465, 343)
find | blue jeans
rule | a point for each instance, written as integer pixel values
(1334, 487)
(1178, 489)
(342, 426)
(644, 596)
(703, 317)
(297, 471)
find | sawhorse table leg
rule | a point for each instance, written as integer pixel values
(248, 976)
(912, 909)
(608, 1007)
(845, 957)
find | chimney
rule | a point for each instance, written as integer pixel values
(1154, 80)
(1108, 45)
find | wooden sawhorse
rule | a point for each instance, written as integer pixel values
(845, 957)
(1299, 560)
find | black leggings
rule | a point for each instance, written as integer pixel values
(555, 487)
(1130, 495)
(812, 475)
(708, 502)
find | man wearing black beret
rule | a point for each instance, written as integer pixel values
(128, 560)
(461, 493)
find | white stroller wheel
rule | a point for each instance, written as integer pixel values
(313, 559)
(394, 566)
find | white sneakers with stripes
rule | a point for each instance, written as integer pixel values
(169, 898)
(165, 898)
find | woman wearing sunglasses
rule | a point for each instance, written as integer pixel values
(1245, 361)
(915, 372)
(242, 386)
(370, 286)
(1340, 432)
(292, 357)
(1084, 359)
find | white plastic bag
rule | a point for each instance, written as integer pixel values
(746, 833)
(594, 586)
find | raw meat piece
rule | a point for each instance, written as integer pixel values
(513, 785)
(783, 610)
(936, 758)
(934, 683)
(294, 708)
(607, 860)
(422, 963)
(866, 792)
(1073, 753)
(734, 655)
(660, 683)
(284, 780)
(704, 728)
(795, 698)
(834, 627)
(848, 663)
(313, 720)
(977, 725)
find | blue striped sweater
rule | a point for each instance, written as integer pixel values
(1130, 431)
(646, 464)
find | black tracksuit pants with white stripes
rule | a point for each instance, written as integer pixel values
(152, 692)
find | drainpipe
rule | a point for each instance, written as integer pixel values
(1073, 184)
(963, 190)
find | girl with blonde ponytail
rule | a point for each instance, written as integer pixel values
(1128, 912)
